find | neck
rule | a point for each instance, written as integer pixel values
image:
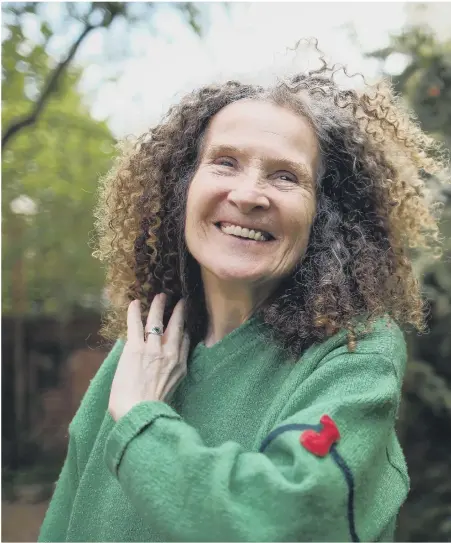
(229, 305)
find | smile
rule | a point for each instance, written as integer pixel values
(245, 234)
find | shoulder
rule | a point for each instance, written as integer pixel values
(384, 340)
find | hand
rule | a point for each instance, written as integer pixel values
(148, 370)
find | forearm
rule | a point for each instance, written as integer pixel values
(285, 492)
(190, 492)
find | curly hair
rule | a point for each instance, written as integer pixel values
(373, 210)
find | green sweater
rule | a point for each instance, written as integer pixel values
(242, 450)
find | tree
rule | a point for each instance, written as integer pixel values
(54, 160)
(426, 80)
(93, 15)
(425, 418)
(54, 169)
(49, 176)
(54, 153)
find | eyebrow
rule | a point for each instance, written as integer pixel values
(299, 167)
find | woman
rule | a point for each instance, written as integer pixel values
(257, 247)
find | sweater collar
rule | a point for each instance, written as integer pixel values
(246, 336)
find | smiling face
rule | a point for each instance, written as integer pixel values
(256, 170)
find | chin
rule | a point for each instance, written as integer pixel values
(226, 264)
(234, 271)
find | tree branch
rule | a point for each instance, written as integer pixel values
(50, 86)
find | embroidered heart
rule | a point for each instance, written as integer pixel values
(319, 443)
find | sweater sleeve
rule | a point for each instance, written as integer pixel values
(321, 474)
(84, 425)
(56, 521)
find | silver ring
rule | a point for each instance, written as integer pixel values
(156, 330)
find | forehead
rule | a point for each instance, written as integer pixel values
(262, 123)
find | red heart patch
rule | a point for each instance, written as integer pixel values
(319, 443)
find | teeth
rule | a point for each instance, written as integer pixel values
(243, 232)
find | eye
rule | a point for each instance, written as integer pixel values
(225, 161)
(286, 176)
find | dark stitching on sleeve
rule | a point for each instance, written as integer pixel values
(350, 482)
(339, 461)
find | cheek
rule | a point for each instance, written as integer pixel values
(197, 207)
(190, 221)
(194, 202)
(203, 197)
(191, 203)
(300, 216)
(196, 194)
(301, 222)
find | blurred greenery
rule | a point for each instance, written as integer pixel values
(52, 161)
(50, 174)
(53, 153)
(426, 80)
(425, 418)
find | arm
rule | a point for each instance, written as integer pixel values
(285, 492)
(56, 521)
(88, 419)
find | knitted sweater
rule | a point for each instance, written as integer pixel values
(250, 447)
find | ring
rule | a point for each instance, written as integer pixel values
(156, 330)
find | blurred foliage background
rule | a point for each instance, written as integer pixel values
(425, 421)
(53, 152)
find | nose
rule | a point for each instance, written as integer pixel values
(246, 199)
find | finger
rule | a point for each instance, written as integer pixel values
(134, 323)
(155, 318)
(174, 331)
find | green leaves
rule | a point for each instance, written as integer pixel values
(56, 163)
(426, 80)
(57, 158)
